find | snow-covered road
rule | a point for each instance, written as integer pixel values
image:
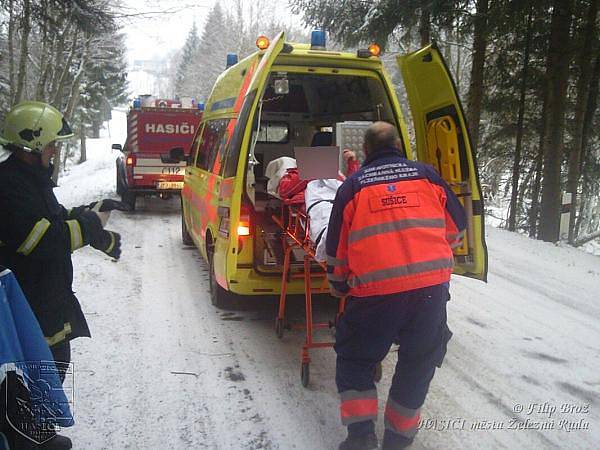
(165, 369)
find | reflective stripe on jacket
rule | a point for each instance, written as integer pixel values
(392, 228)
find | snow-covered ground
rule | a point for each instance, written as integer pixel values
(165, 369)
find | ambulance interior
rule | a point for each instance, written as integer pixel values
(302, 110)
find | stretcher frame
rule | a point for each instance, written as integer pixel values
(295, 225)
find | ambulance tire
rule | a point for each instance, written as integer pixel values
(129, 198)
(185, 235)
(219, 297)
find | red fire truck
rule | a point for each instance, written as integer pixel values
(154, 127)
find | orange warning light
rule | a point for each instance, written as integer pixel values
(262, 42)
(374, 49)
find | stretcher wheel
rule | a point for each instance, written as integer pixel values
(305, 374)
(377, 373)
(279, 327)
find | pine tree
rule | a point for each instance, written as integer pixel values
(186, 61)
(214, 45)
(105, 83)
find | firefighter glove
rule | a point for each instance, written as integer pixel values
(109, 242)
(91, 226)
(104, 207)
(107, 205)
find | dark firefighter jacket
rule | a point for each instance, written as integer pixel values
(37, 237)
(392, 228)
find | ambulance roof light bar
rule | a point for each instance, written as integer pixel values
(318, 40)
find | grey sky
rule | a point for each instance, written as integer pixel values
(156, 35)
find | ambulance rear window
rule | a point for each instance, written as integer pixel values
(331, 95)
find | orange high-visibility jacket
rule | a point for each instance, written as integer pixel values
(392, 228)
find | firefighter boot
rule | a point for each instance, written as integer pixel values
(393, 441)
(359, 442)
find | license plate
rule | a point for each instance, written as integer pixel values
(170, 185)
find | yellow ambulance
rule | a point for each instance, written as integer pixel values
(279, 98)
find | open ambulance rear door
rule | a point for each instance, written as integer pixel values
(246, 105)
(443, 141)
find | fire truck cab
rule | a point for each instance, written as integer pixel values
(154, 127)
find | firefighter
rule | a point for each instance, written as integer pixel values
(38, 235)
(389, 249)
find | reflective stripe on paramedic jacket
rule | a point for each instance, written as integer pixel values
(392, 228)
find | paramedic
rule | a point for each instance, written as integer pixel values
(38, 235)
(389, 249)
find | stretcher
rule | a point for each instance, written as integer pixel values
(295, 225)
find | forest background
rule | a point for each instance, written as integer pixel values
(528, 72)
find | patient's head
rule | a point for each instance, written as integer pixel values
(380, 136)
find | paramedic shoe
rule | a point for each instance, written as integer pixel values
(58, 442)
(359, 442)
(393, 441)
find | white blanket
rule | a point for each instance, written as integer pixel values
(319, 197)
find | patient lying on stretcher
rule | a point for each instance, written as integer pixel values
(316, 196)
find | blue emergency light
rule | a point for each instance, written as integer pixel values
(201, 106)
(232, 59)
(137, 103)
(318, 40)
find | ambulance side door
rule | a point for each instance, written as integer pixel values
(443, 141)
(246, 106)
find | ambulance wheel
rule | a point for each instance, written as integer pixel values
(305, 374)
(129, 198)
(185, 235)
(377, 372)
(279, 327)
(219, 297)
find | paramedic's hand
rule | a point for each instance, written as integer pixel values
(348, 154)
(108, 242)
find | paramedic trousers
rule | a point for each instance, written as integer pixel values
(416, 320)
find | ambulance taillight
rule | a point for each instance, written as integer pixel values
(243, 228)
